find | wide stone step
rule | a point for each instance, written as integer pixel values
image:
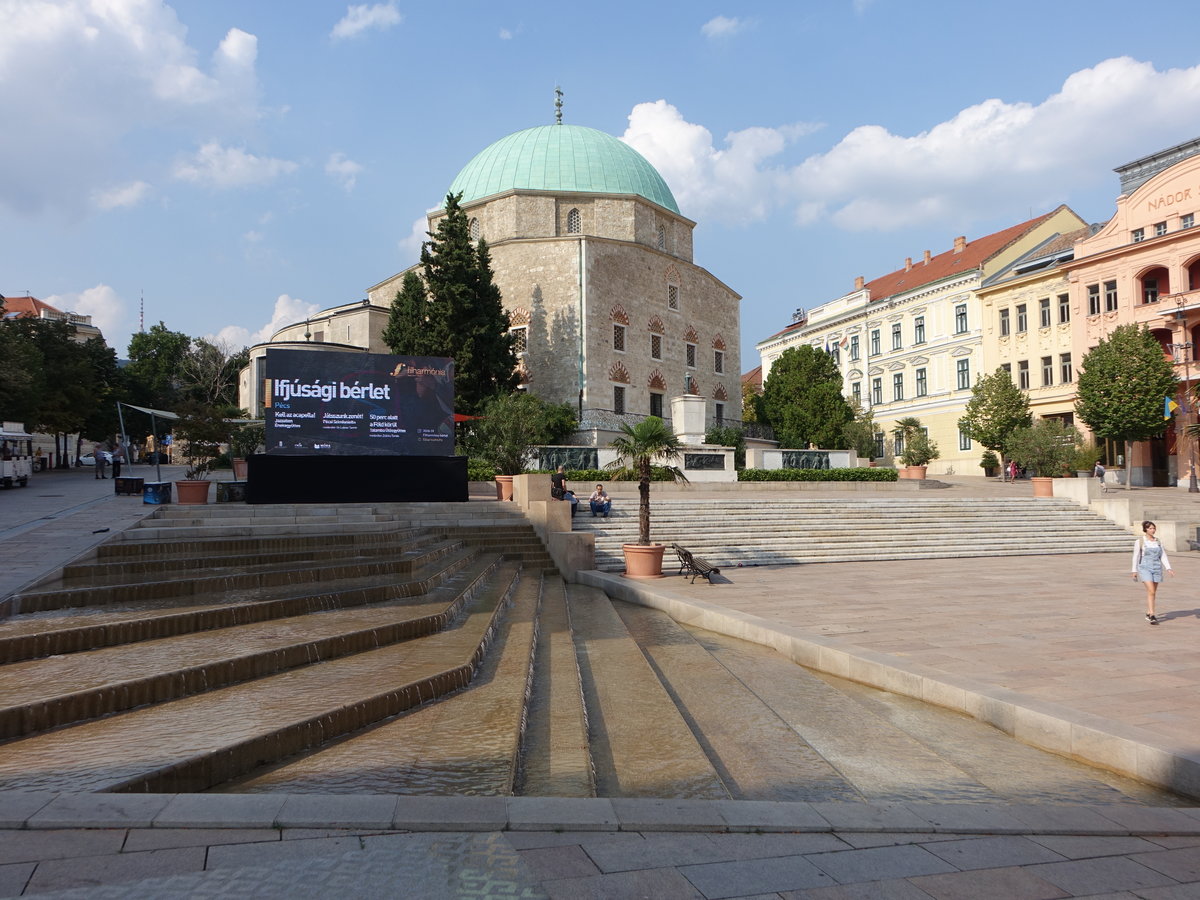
(72, 631)
(641, 746)
(464, 743)
(151, 569)
(119, 549)
(197, 742)
(45, 693)
(182, 587)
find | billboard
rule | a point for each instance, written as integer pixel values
(327, 403)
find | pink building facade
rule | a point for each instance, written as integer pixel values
(1143, 267)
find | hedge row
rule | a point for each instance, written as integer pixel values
(817, 475)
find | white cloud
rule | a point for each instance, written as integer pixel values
(505, 34)
(1002, 156)
(722, 27)
(121, 196)
(228, 167)
(364, 18)
(77, 77)
(731, 184)
(342, 170)
(287, 311)
(410, 246)
(108, 311)
(992, 157)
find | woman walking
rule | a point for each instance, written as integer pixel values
(1149, 561)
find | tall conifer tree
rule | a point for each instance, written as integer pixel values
(457, 312)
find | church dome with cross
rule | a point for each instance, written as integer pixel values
(562, 158)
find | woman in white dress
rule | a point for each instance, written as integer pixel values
(1149, 561)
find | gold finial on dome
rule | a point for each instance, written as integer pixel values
(558, 95)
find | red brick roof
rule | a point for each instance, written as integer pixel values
(754, 377)
(27, 307)
(973, 255)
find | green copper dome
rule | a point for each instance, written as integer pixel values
(562, 158)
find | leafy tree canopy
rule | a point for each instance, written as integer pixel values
(1122, 385)
(802, 400)
(512, 425)
(155, 370)
(996, 409)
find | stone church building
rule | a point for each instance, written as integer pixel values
(594, 261)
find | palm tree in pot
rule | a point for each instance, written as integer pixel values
(638, 448)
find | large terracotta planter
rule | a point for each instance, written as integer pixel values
(643, 560)
(192, 492)
(1042, 487)
(240, 469)
(504, 487)
(916, 473)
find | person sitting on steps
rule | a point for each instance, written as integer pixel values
(600, 502)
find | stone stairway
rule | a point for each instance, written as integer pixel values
(447, 659)
(789, 530)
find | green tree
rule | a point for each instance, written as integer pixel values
(1123, 383)
(638, 448)
(802, 399)
(155, 369)
(996, 409)
(728, 436)
(512, 425)
(859, 433)
(1048, 447)
(750, 395)
(463, 318)
(918, 448)
(208, 373)
(63, 385)
(20, 364)
(409, 330)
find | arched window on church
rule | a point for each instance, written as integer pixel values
(662, 237)
(475, 230)
(574, 222)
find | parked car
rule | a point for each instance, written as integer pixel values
(89, 459)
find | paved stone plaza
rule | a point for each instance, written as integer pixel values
(1053, 647)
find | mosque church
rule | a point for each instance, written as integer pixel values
(593, 259)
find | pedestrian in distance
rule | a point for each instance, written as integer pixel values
(560, 491)
(118, 458)
(1099, 473)
(98, 458)
(600, 502)
(1149, 562)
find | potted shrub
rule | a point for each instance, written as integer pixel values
(918, 448)
(510, 427)
(638, 448)
(989, 462)
(1047, 447)
(202, 429)
(1086, 457)
(243, 442)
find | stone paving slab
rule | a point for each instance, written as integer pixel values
(186, 854)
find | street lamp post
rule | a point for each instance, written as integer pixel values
(1186, 348)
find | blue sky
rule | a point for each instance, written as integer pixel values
(241, 164)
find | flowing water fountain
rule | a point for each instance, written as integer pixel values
(406, 649)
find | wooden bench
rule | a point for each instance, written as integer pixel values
(696, 566)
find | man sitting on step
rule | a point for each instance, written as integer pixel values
(601, 504)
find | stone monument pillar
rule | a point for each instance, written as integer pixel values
(687, 419)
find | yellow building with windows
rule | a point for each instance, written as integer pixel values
(910, 343)
(1027, 326)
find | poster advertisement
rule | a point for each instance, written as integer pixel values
(328, 403)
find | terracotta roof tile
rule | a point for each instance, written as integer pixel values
(27, 307)
(754, 377)
(973, 255)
